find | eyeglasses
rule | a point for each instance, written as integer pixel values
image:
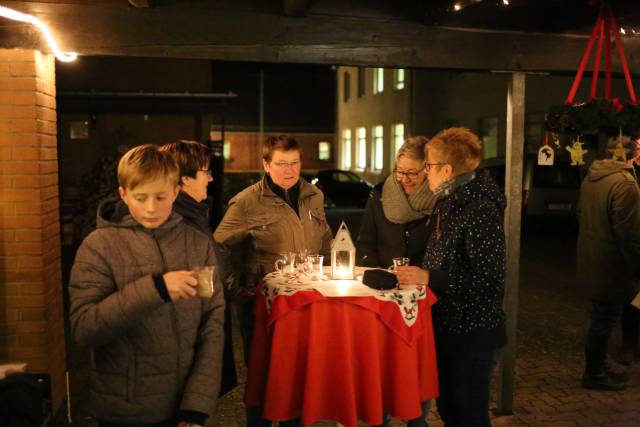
(428, 166)
(206, 171)
(284, 165)
(406, 174)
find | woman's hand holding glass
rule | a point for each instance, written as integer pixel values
(412, 276)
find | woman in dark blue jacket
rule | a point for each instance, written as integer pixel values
(464, 265)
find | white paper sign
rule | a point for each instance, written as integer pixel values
(545, 156)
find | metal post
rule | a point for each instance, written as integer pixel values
(513, 189)
(261, 124)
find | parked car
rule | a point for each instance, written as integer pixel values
(546, 190)
(342, 188)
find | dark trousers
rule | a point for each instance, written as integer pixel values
(465, 380)
(604, 316)
(630, 326)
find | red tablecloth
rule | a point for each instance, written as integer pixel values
(340, 358)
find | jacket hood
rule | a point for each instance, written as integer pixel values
(115, 213)
(601, 168)
(481, 187)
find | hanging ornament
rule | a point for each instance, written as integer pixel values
(577, 152)
(555, 138)
(545, 153)
(618, 153)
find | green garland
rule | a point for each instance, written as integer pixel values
(595, 116)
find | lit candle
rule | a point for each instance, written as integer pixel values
(342, 272)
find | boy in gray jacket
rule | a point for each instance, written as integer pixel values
(156, 347)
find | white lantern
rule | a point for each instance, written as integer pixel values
(343, 255)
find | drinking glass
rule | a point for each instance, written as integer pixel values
(286, 264)
(205, 276)
(399, 262)
(313, 267)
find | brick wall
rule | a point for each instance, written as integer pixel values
(31, 307)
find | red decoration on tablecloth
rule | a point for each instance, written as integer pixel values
(345, 359)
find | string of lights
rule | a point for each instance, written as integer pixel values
(30, 19)
(459, 5)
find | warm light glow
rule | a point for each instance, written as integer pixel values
(622, 31)
(23, 17)
(342, 272)
(457, 7)
(505, 2)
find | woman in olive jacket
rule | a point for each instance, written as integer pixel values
(396, 215)
(281, 213)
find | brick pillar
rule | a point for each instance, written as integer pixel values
(31, 307)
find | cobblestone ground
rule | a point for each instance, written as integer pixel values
(549, 360)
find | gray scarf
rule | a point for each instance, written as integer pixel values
(400, 208)
(448, 187)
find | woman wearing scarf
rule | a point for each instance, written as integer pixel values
(395, 218)
(395, 221)
(464, 265)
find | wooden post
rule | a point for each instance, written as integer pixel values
(513, 189)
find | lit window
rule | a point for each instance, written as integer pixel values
(362, 148)
(378, 147)
(398, 137)
(324, 150)
(398, 79)
(346, 149)
(489, 133)
(378, 80)
(226, 151)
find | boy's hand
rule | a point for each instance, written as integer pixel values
(180, 284)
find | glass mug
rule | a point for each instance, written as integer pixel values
(313, 267)
(399, 262)
(204, 275)
(301, 260)
(286, 264)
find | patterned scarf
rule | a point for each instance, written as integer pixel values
(448, 187)
(400, 208)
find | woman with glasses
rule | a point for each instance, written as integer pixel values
(464, 265)
(281, 213)
(394, 221)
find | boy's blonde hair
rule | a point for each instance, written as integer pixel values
(146, 163)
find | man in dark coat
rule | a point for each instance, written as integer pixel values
(608, 254)
(194, 163)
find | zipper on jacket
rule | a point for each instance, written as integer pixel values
(174, 315)
(406, 242)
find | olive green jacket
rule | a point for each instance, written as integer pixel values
(259, 225)
(608, 255)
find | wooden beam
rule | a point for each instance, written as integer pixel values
(297, 8)
(214, 30)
